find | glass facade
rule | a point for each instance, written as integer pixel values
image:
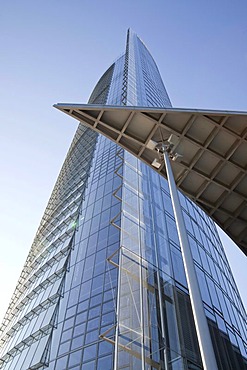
(104, 285)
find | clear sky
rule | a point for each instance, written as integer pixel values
(55, 51)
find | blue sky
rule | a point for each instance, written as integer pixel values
(55, 51)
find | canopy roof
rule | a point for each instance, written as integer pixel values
(213, 168)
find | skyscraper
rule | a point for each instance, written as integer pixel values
(104, 285)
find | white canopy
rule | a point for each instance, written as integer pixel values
(213, 168)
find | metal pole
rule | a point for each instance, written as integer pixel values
(203, 334)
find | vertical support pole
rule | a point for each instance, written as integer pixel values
(203, 334)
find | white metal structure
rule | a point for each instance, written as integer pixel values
(204, 339)
(213, 170)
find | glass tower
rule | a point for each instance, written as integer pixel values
(104, 286)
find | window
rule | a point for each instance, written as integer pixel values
(75, 358)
